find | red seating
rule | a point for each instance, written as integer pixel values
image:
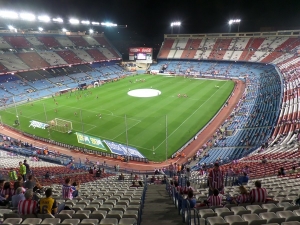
(102, 41)
(96, 54)
(78, 41)
(3, 69)
(33, 60)
(165, 49)
(49, 42)
(69, 56)
(252, 45)
(17, 41)
(220, 48)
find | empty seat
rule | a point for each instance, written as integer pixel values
(92, 221)
(240, 210)
(70, 212)
(288, 215)
(253, 219)
(2, 211)
(13, 220)
(113, 221)
(271, 207)
(256, 209)
(44, 216)
(127, 221)
(216, 221)
(287, 206)
(291, 223)
(63, 216)
(223, 212)
(53, 221)
(235, 220)
(32, 221)
(115, 214)
(80, 216)
(271, 217)
(204, 213)
(131, 214)
(71, 221)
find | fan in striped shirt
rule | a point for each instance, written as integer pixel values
(216, 199)
(187, 188)
(69, 191)
(27, 206)
(243, 197)
(258, 194)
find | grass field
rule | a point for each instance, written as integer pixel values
(146, 117)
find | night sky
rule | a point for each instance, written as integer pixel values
(148, 20)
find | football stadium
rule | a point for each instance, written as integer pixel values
(200, 129)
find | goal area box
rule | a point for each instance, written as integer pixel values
(60, 125)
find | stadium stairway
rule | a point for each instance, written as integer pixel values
(159, 208)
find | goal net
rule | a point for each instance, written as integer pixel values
(60, 125)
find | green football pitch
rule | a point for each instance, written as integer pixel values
(145, 117)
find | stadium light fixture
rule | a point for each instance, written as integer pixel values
(45, 19)
(9, 14)
(74, 21)
(86, 22)
(11, 28)
(64, 30)
(95, 23)
(40, 29)
(235, 21)
(108, 24)
(177, 24)
(27, 16)
(91, 31)
(58, 20)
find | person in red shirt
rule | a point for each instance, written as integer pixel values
(216, 199)
(258, 194)
(215, 179)
(27, 206)
(243, 197)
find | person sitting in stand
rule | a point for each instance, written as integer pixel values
(215, 200)
(47, 175)
(134, 184)
(281, 172)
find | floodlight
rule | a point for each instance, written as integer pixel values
(74, 21)
(64, 30)
(95, 23)
(58, 20)
(11, 27)
(91, 31)
(85, 22)
(27, 16)
(234, 21)
(108, 24)
(9, 14)
(40, 29)
(45, 19)
(177, 23)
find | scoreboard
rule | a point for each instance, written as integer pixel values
(141, 54)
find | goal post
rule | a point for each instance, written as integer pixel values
(60, 125)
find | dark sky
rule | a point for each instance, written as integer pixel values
(148, 20)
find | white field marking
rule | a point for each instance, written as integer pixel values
(93, 126)
(111, 113)
(102, 113)
(189, 116)
(163, 164)
(127, 129)
(208, 79)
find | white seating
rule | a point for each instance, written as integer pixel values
(216, 221)
(32, 221)
(288, 215)
(271, 217)
(256, 209)
(253, 219)
(240, 210)
(235, 220)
